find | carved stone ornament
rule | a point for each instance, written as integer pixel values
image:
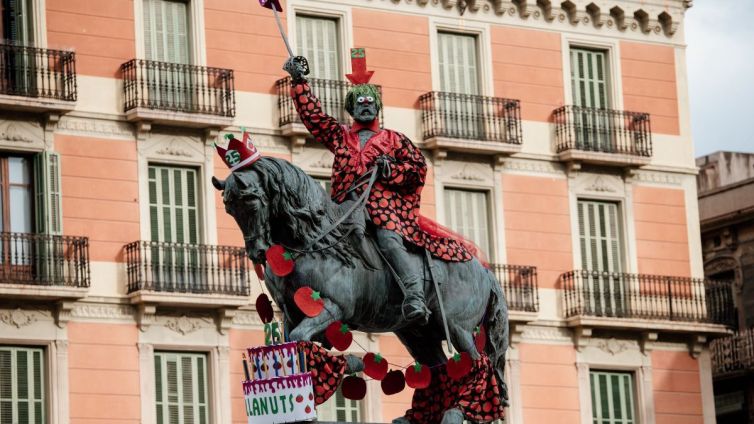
(600, 185)
(613, 346)
(468, 173)
(183, 325)
(18, 318)
(174, 148)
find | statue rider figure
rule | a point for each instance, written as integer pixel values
(393, 204)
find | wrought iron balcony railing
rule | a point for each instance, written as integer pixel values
(44, 260)
(654, 297)
(470, 117)
(36, 72)
(519, 285)
(178, 88)
(602, 130)
(187, 268)
(331, 93)
(733, 354)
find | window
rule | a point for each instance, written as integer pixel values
(602, 251)
(459, 74)
(589, 87)
(612, 397)
(22, 386)
(467, 213)
(16, 194)
(318, 42)
(173, 208)
(181, 388)
(340, 409)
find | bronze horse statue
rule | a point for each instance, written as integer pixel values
(275, 202)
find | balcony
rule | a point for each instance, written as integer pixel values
(43, 267)
(603, 136)
(178, 94)
(470, 123)
(37, 80)
(520, 288)
(733, 355)
(646, 302)
(197, 275)
(332, 95)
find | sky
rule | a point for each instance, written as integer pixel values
(720, 58)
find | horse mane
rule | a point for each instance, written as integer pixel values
(300, 208)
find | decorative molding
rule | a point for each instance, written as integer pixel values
(324, 162)
(600, 185)
(247, 318)
(95, 127)
(663, 178)
(16, 131)
(183, 325)
(533, 166)
(19, 317)
(102, 311)
(173, 148)
(612, 345)
(467, 173)
(548, 334)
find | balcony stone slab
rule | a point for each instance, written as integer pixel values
(36, 104)
(173, 118)
(41, 292)
(602, 158)
(469, 146)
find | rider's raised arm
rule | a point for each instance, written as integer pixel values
(324, 128)
(409, 170)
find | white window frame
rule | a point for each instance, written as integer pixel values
(344, 22)
(483, 44)
(43, 376)
(634, 395)
(614, 72)
(621, 224)
(490, 197)
(197, 41)
(208, 399)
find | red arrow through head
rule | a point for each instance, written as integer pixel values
(359, 74)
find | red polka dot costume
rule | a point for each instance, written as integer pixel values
(394, 202)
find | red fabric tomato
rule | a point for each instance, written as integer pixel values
(375, 366)
(264, 308)
(393, 383)
(459, 365)
(418, 376)
(354, 388)
(339, 335)
(280, 261)
(480, 339)
(308, 301)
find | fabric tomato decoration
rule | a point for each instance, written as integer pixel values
(308, 301)
(264, 308)
(418, 376)
(339, 335)
(459, 365)
(393, 383)
(280, 261)
(375, 366)
(480, 339)
(354, 388)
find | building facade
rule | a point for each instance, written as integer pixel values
(726, 213)
(557, 136)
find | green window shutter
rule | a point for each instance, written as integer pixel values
(339, 408)
(18, 21)
(600, 236)
(612, 397)
(459, 72)
(467, 213)
(166, 31)
(181, 388)
(318, 42)
(47, 193)
(173, 206)
(589, 78)
(22, 386)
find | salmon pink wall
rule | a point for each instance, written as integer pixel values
(101, 32)
(549, 384)
(528, 66)
(398, 51)
(537, 225)
(243, 36)
(100, 193)
(649, 84)
(239, 341)
(396, 405)
(661, 233)
(677, 390)
(103, 373)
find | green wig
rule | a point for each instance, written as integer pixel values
(362, 90)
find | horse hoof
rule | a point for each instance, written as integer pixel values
(452, 416)
(401, 420)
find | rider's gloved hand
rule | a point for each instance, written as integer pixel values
(383, 164)
(297, 67)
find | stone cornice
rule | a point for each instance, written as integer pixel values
(647, 17)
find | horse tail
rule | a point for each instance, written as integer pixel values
(497, 331)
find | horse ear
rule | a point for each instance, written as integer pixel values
(219, 184)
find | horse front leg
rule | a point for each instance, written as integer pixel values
(308, 328)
